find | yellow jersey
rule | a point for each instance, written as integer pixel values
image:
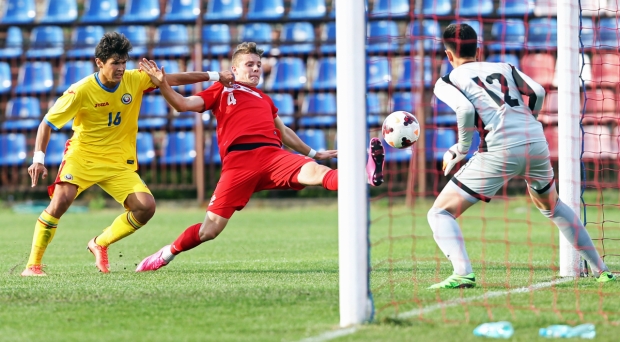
(105, 121)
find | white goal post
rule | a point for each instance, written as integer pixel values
(569, 132)
(355, 303)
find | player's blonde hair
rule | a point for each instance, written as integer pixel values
(246, 48)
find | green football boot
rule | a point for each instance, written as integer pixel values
(456, 281)
(605, 277)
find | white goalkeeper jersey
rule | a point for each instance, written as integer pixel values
(487, 97)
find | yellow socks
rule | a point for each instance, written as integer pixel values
(124, 225)
(44, 232)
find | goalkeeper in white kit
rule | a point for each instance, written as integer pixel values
(488, 97)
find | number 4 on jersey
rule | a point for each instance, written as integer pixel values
(231, 99)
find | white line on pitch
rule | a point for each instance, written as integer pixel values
(330, 335)
(493, 294)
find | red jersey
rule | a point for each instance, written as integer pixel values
(244, 115)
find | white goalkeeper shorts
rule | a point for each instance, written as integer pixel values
(486, 172)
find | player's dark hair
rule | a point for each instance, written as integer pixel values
(246, 48)
(113, 44)
(461, 39)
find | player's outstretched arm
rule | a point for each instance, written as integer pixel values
(225, 77)
(177, 101)
(292, 140)
(40, 146)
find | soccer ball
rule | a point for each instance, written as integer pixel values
(401, 129)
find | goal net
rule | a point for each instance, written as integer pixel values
(515, 251)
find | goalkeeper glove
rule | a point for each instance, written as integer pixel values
(451, 158)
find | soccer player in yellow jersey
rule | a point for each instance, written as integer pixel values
(102, 150)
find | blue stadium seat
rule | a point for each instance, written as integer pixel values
(325, 74)
(179, 148)
(259, 33)
(373, 110)
(587, 33)
(34, 78)
(406, 101)
(383, 9)
(442, 114)
(474, 8)
(212, 151)
(72, 72)
(318, 110)
(328, 38)
(515, 8)
(378, 74)
(542, 33)
(56, 148)
(84, 40)
(60, 12)
(137, 36)
(153, 112)
(510, 59)
(145, 148)
(445, 67)
(5, 78)
(608, 34)
(438, 141)
(19, 12)
(382, 36)
(172, 42)
(429, 34)
(224, 10)
(182, 10)
(289, 74)
(508, 35)
(297, 38)
(265, 10)
(410, 77)
(307, 9)
(141, 11)
(436, 7)
(314, 138)
(12, 149)
(216, 40)
(394, 155)
(100, 11)
(475, 143)
(22, 113)
(13, 43)
(286, 107)
(46, 42)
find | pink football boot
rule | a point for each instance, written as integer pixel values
(153, 262)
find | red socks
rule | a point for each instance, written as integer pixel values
(187, 240)
(330, 180)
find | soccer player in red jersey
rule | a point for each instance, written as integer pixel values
(250, 135)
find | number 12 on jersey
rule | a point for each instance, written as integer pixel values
(504, 89)
(116, 121)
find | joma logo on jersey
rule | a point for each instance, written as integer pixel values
(103, 104)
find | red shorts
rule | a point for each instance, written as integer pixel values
(247, 172)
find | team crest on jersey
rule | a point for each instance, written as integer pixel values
(68, 176)
(126, 99)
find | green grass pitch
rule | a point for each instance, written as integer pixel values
(273, 276)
